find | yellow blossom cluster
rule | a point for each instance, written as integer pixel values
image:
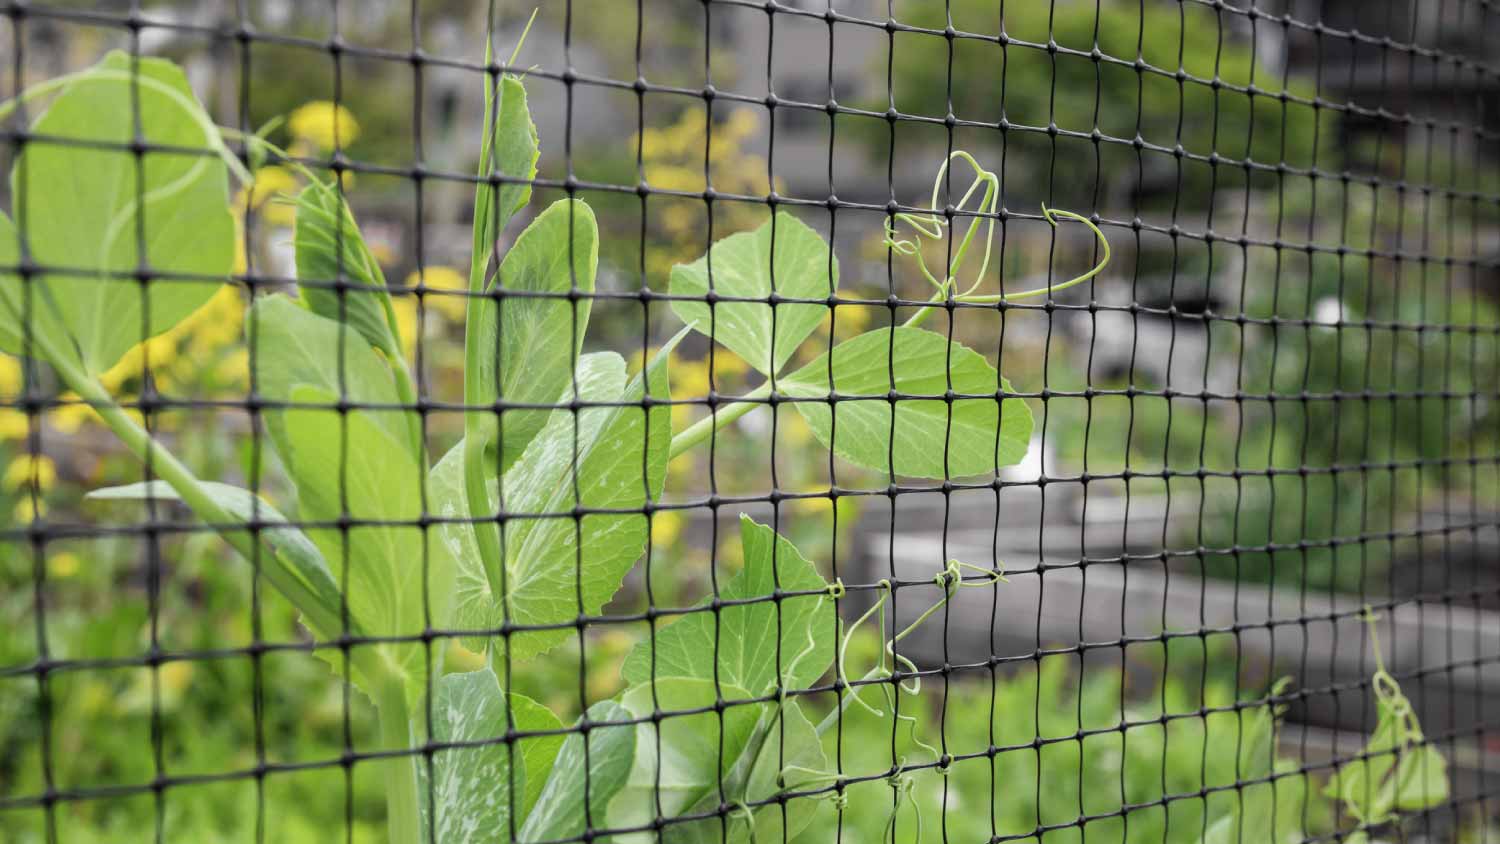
(271, 181)
(673, 159)
(440, 288)
(324, 125)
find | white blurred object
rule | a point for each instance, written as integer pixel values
(1034, 464)
(1328, 311)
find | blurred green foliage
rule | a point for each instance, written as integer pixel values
(1191, 92)
(1074, 750)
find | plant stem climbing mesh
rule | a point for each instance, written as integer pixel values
(729, 421)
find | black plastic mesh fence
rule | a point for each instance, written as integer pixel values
(714, 420)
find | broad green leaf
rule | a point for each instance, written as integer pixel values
(291, 551)
(290, 345)
(682, 759)
(89, 208)
(747, 651)
(559, 811)
(1421, 779)
(785, 257)
(355, 464)
(329, 250)
(345, 465)
(538, 753)
(473, 787)
(544, 561)
(509, 149)
(980, 433)
(27, 318)
(789, 760)
(784, 755)
(529, 344)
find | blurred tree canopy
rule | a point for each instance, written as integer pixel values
(1198, 62)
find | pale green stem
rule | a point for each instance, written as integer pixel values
(703, 428)
(403, 819)
(477, 430)
(476, 468)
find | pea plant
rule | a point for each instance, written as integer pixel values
(535, 518)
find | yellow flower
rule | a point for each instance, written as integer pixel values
(11, 376)
(218, 320)
(691, 379)
(267, 195)
(24, 468)
(674, 177)
(324, 123)
(270, 182)
(852, 320)
(441, 282)
(637, 360)
(13, 424)
(684, 467)
(666, 527)
(794, 429)
(405, 308)
(62, 564)
(174, 677)
(728, 364)
(731, 555)
(279, 213)
(68, 418)
(234, 368)
(24, 512)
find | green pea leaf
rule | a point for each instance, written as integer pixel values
(538, 753)
(509, 148)
(473, 787)
(980, 433)
(330, 249)
(529, 344)
(784, 256)
(683, 759)
(545, 564)
(559, 811)
(292, 558)
(356, 464)
(1359, 783)
(29, 321)
(748, 655)
(790, 759)
(90, 208)
(1421, 779)
(1400, 772)
(290, 345)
